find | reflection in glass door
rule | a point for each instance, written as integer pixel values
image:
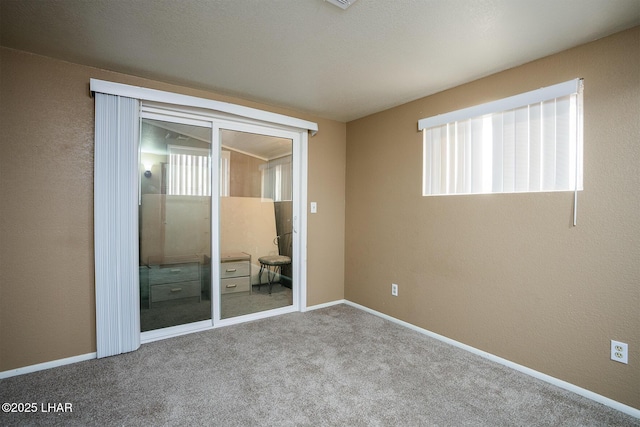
(174, 224)
(255, 223)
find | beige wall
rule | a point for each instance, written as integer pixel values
(508, 274)
(47, 309)
(245, 178)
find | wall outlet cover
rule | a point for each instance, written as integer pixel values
(620, 351)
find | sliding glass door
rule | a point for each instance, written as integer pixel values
(174, 224)
(256, 223)
(216, 221)
(160, 183)
(252, 223)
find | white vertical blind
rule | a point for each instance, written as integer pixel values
(189, 171)
(225, 168)
(116, 225)
(529, 148)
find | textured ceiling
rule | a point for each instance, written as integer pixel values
(309, 54)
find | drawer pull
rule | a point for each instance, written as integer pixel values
(176, 289)
(231, 270)
(231, 286)
(176, 270)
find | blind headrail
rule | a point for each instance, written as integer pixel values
(505, 104)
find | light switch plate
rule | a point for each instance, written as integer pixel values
(314, 207)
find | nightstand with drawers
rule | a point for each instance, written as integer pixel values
(235, 273)
(174, 281)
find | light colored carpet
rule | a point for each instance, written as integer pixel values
(338, 366)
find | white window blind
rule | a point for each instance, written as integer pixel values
(189, 171)
(525, 143)
(225, 170)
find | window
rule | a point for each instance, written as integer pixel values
(189, 172)
(276, 179)
(526, 143)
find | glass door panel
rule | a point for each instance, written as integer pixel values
(174, 224)
(255, 223)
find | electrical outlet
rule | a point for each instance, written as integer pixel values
(619, 351)
(394, 289)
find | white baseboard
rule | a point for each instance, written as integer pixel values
(326, 304)
(47, 365)
(536, 374)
